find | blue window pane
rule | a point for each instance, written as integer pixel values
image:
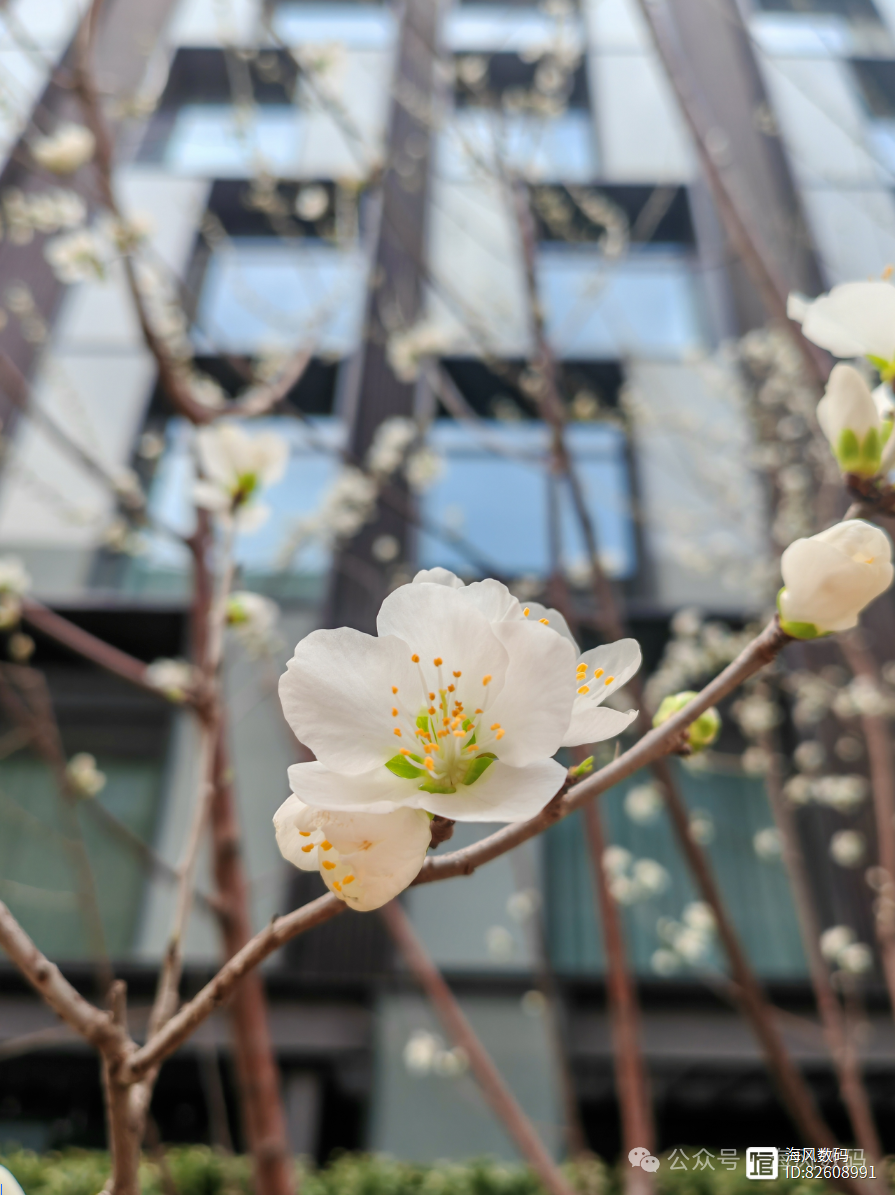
(645, 306)
(498, 503)
(258, 293)
(210, 139)
(562, 147)
(367, 28)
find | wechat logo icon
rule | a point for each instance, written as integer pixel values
(643, 1158)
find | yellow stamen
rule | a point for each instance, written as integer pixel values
(431, 696)
(306, 849)
(328, 865)
(394, 711)
(405, 751)
(305, 833)
(429, 763)
(337, 886)
(486, 680)
(450, 688)
(608, 680)
(459, 734)
(438, 661)
(584, 689)
(526, 611)
(397, 732)
(598, 672)
(500, 734)
(458, 674)
(394, 688)
(348, 880)
(545, 621)
(431, 709)
(326, 845)
(415, 658)
(443, 734)
(495, 726)
(469, 747)
(480, 711)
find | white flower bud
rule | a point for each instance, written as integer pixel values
(829, 578)
(850, 420)
(847, 848)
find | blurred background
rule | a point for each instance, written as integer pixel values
(426, 203)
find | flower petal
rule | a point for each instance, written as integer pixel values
(377, 791)
(535, 704)
(251, 516)
(592, 723)
(619, 661)
(436, 622)
(337, 696)
(854, 319)
(210, 496)
(492, 599)
(214, 447)
(293, 824)
(502, 793)
(271, 454)
(364, 859)
(438, 576)
(555, 620)
(825, 585)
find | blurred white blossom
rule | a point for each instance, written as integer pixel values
(78, 256)
(847, 848)
(66, 150)
(84, 776)
(768, 844)
(236, 466)
(174, 678)
(643, 803)
(254, 619)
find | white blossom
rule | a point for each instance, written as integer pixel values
(850, 420)
(311, 202)
(457, 707)
(419, 1052)
(829, 578)
(856, 958)
(235, 467)
(66, 150)
(84, 776)
(809, 756)
(391, 441)
(365, 859)
(847, 848)
(14, 584)
(423, 468)
(643, 803)
(174, 678)
(407, 350)
(254, 619)
(77, 256)
(843, 793)
(499, 942)
(768, 844)
(834, 940)
(348, 505)
(856, 319)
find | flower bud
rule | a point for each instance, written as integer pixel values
(849, 418)
(829, 578)
(702, 732)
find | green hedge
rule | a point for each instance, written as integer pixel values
(197, 1170)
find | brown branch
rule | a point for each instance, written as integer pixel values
(191, 1015)
(835, 1029)
(49, 623)
(494, 1089)
(631, 1079)
(45, 977)
(882, 784)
